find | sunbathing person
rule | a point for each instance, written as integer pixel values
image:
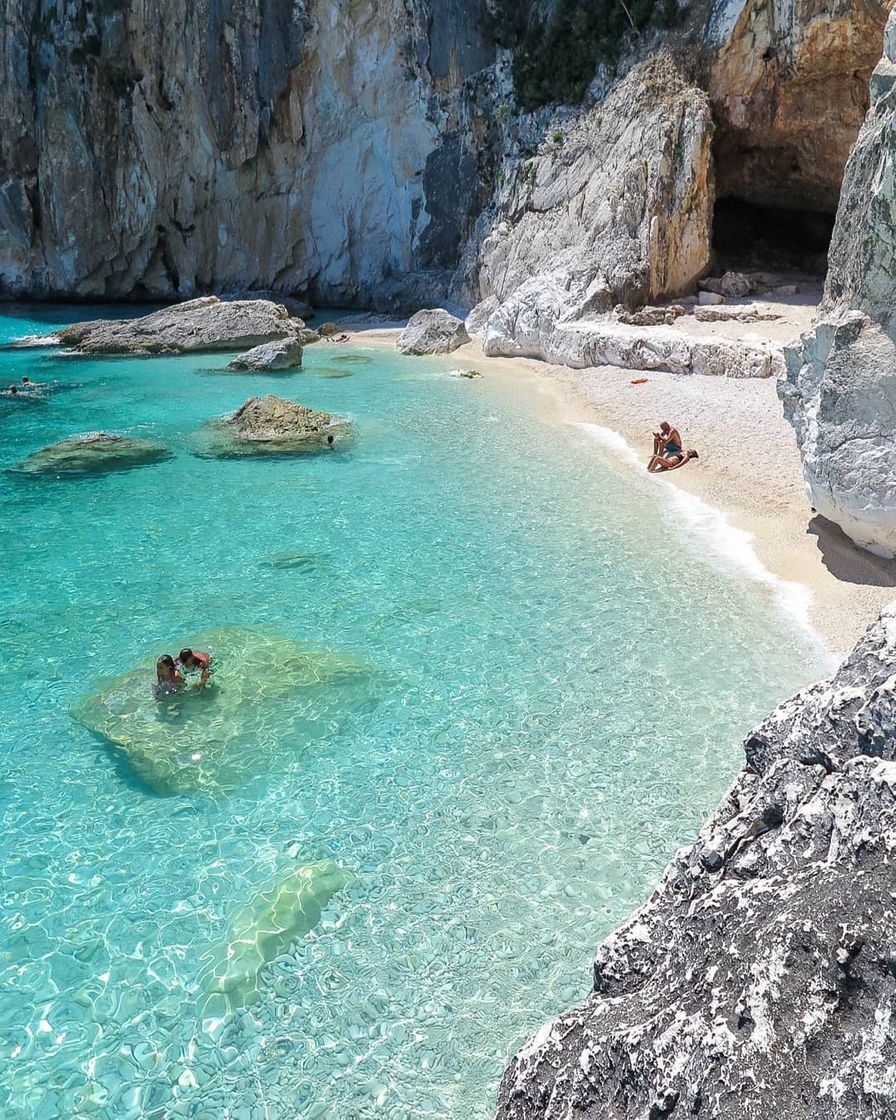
(667, 440)
(671, 462)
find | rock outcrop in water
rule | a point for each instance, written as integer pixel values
(281, 912)
(92, 454)
(760, 978)
(270, 357)
(215, 739)
(272, 425)
(840, 393)
(432, 332)
(196, 326)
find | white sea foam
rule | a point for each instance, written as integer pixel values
(730, 546)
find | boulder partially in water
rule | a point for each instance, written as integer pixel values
(265, 927)
(217, 738)
(272, 425)
(758, 980)
(270, 357)
(91, 454)
(433, 331)
(204, 324)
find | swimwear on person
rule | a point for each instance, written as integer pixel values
(168, 679)
(195, 661)
(668, 450)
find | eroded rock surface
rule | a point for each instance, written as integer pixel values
(204, 324)
(92, 453)
(433, 331)
(271, 425)
(216, 739)
(840, 393)
(760, 978)
(270, 357)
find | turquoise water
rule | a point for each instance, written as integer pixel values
(548, 694)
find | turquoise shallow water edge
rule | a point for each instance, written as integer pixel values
(546, 689)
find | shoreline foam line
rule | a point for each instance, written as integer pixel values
(731, 546)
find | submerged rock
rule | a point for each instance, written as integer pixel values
(91, 454)
(758, 980)
(217, 738)
(282, 912)
(272, 425)
(204, 324)
(840, 392)
(271, 356)
(432, 332)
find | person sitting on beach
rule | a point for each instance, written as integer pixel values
(168, 679)
(668, 450)
(195, 661)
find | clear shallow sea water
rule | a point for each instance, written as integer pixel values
(558, 683)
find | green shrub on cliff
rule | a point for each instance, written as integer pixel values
(556, 56)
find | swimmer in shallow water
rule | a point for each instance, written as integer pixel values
(168, 679)
(195, 661)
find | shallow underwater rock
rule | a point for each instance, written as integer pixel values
(204, 324)
(270, 356)
(283, 911)
(759, 980)
(272, 425)
(217, 738)
(91, 454)
(434, 331)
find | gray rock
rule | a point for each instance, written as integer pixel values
(708, 298)
(91, 454)
(271, 356)
(758, 980)
(204, 324)
(736, 285)
(432, 332)
(272, 425)
(650, 316)
(840, 392)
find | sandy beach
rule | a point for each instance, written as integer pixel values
(749, 466)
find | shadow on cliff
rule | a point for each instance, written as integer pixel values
(846, 561)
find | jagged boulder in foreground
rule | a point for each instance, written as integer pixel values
(434, 331)
(204, 324)
(759, 980)
(92, 453)
(840, 392)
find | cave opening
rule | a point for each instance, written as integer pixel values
(747, 236)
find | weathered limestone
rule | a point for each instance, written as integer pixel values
(521, 330)
(840, 393)
(758, 980)
(271, 426)
(270, 357)
(92, 454)
(281, 912)
(432, 332)
(216, 739)
(204, 324)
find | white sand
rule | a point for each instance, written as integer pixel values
(749, 466)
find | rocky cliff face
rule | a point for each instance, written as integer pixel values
(840, 392)
(760, 978)
(372, 153)
(162, 148)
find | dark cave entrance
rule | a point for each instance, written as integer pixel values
(749, 237)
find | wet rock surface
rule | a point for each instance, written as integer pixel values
(214, 739)
(198, 325)
(433, 331)
(92, 454)
(759, 980)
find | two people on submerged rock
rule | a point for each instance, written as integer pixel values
(172, 676)
(668, 450)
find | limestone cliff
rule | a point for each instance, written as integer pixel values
(760, 978)
(840, 392)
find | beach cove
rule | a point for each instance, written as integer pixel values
(530, 683)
